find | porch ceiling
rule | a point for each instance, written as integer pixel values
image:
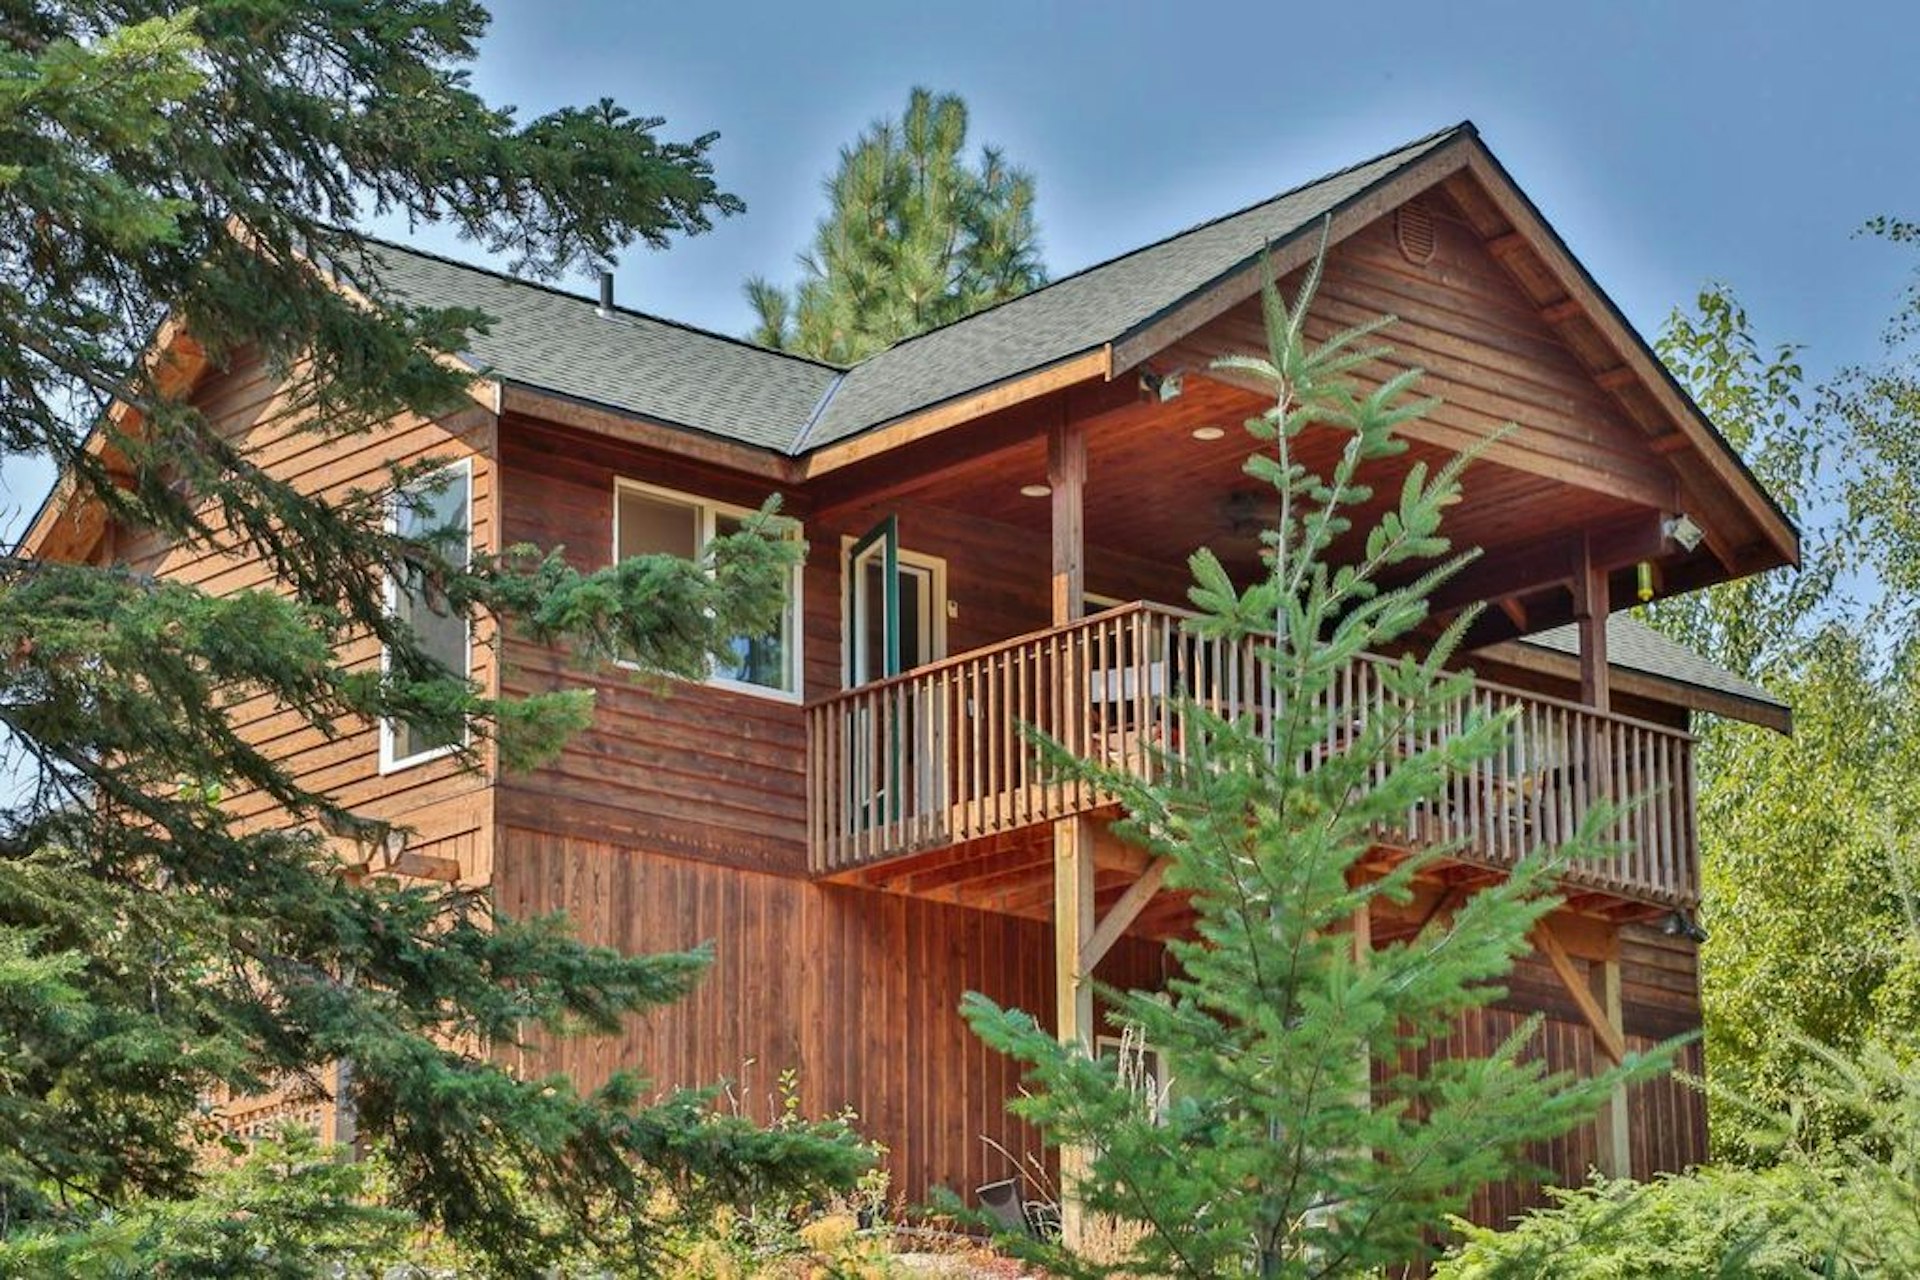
(1154, 493)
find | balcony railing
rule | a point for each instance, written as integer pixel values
(937, 756)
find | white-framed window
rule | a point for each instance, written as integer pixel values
(649, 520)
(435, 507)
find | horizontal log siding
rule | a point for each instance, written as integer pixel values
(448, 806)
(670, 765)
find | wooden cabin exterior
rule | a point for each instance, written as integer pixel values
(998, 516)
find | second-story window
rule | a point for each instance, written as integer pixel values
(650, 521)
(435, 508)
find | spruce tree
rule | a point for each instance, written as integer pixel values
(201, 169)
(914, 237)
(1302, 1135)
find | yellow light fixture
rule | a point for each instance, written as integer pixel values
(1035, 490)
(1208, 433)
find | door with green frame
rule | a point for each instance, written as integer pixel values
(896, 740)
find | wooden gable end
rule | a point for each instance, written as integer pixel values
(1488, 356)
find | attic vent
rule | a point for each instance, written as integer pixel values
(1413, 228)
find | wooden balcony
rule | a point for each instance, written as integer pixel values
(936, 757)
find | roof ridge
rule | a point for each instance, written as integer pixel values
(587, 299)
(798, 444)
(1464, 128)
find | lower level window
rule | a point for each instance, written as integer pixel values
(649, 521)
(437, 509)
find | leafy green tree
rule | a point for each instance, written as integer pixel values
(1761, 401)
(207, 164)
(1877, 404)
(1802, 882)
(1838, 1199)
(1729, 1222)
(1303, 1137)
(914, 237)
(290, 1203)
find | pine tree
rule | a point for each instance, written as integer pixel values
(914, 237)
(205, 165)
(1300, 1137)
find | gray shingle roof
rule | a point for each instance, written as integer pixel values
(1634, 645)
(1083, 311)
(559, 342)
(556, 341)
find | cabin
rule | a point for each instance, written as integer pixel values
(998, 515)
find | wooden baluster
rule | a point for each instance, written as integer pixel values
(1617, 762)
(1669, 769)
(1003, 726)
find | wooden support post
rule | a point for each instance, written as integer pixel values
(1616, 1134)
(1073, 992)
(1590, 609)
(1067, 475)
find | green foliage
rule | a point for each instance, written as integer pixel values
(161, 943)
(1840, 1196)
(290, 1209)
(1303, 1137)
(1802, 879)
(914, 237)
(1760, 401)
(1733, 1223)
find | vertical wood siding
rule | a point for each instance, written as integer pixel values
(858, 992)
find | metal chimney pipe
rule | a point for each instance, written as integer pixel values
(606, 292)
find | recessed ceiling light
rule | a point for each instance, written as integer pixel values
(1208, 433)
(1035, 490)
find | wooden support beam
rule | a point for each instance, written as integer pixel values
(1509, 244)
(1067, 474)
(1073, 993)
(1122, 915)
(1590, 608)
(1562, 311)
(1605, 1033)
(1618, 378)
(1616, 1134)
(1505, 573)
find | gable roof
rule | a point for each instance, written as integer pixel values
(1090, 308)
(560, 342)
(1634, 646)
(642, 364)
(557, 353)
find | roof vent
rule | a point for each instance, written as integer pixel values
(606, 293)
(1413, 229)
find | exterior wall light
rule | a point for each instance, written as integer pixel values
(1683, 530)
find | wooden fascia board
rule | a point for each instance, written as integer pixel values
(553, 406)
(1096, 362)
(181, 361)
(1288, 254)
(177, 362)
(1718, 455)
(1643, 684)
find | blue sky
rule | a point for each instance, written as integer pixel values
(1670, 143)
